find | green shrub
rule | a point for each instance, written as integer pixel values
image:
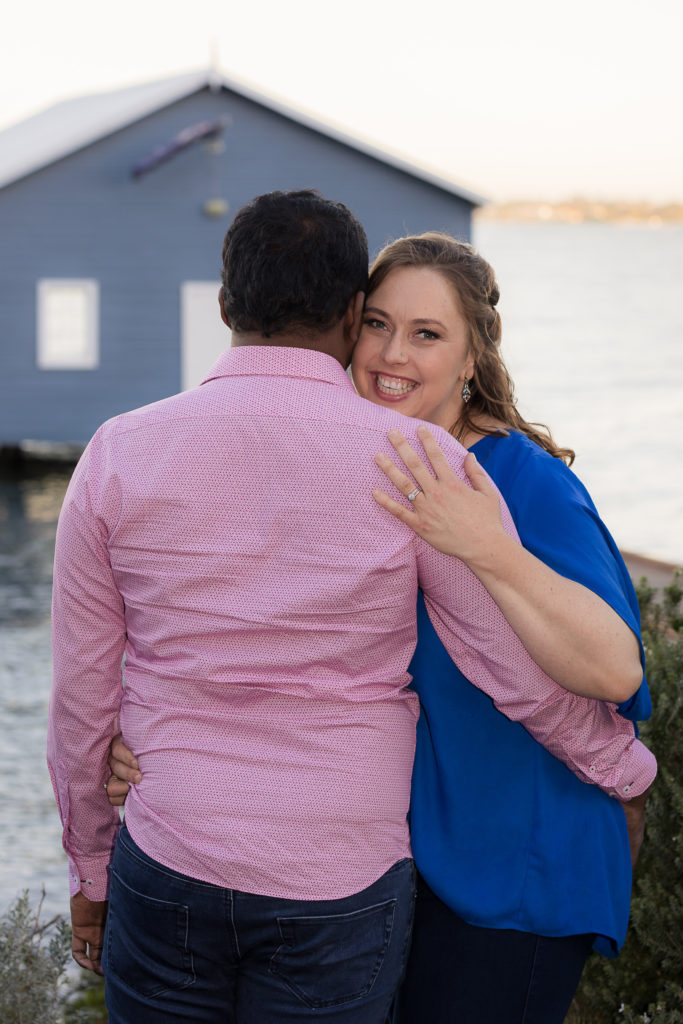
(34, 985)
(85, 1003)
(646, 982)
(33, 960)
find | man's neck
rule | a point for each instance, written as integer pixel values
(331, 343)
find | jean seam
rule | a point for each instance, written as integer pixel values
(409, 933)
(532, 976)
(337, 917)
(232, 922)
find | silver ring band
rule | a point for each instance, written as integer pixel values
(413, 494)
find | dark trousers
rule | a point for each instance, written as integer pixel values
(177, 949)
(459, 973)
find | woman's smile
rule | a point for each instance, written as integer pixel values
(393, 387)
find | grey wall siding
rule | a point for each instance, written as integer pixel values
(84, 217)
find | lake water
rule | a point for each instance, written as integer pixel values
(593, 335)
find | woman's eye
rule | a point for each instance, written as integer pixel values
(372, 321)
(427, 334)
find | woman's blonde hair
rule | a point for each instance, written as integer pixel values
(476, 290)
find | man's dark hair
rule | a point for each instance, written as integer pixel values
(292, 261)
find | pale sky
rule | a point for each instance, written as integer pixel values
(510, 98)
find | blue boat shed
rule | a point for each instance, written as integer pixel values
(113, 208)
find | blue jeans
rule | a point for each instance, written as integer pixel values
(459, 972)
(177, 949)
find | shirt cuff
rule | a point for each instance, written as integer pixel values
(91, 877)
(642, 768)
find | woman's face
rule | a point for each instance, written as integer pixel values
(413, 351)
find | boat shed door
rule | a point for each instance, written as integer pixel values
(203, 335)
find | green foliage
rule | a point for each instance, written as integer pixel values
(86, 1001)
(33, 960)
(644, 984)
(34, 985)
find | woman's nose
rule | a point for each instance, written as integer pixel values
(395, 350)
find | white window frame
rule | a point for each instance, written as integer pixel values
(48, 356)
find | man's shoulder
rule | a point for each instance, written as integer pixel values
(155, 412)
(377, 418)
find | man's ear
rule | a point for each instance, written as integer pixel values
(353, 320)
(222, 309)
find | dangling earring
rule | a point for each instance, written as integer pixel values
(466, 390)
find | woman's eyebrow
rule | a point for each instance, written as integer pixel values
(417, 320)
(432, 320)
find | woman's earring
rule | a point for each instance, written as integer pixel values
(466, 390)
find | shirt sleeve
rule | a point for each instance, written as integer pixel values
(589, 736)
(88, 637)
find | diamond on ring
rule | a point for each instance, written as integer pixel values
(413, 494)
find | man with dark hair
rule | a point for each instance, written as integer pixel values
(225, 539)
(292, 262)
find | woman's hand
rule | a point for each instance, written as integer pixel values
(124, 772)
(450, 515)
(575, 636)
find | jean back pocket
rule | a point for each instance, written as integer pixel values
(330, 960)
(146, 942)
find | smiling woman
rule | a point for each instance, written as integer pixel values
(418, 356)
(432, 311)
(520, 864)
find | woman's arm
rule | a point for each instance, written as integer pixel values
(125, 771)
(575, 636)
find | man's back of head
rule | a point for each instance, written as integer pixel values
(292, 263)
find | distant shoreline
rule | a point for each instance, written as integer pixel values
(583, 211)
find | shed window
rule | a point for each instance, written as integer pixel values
(68, 324)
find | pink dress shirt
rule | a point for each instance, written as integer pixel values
(226, 541)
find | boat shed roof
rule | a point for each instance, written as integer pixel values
(71, 125)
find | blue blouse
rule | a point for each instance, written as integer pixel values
(501, 831)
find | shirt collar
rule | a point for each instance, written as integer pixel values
(278, 361)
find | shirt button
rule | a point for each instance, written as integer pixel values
(592, 768)
(627, 789)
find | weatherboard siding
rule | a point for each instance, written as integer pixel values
(84, 217)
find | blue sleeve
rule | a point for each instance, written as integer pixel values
(559, 523)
